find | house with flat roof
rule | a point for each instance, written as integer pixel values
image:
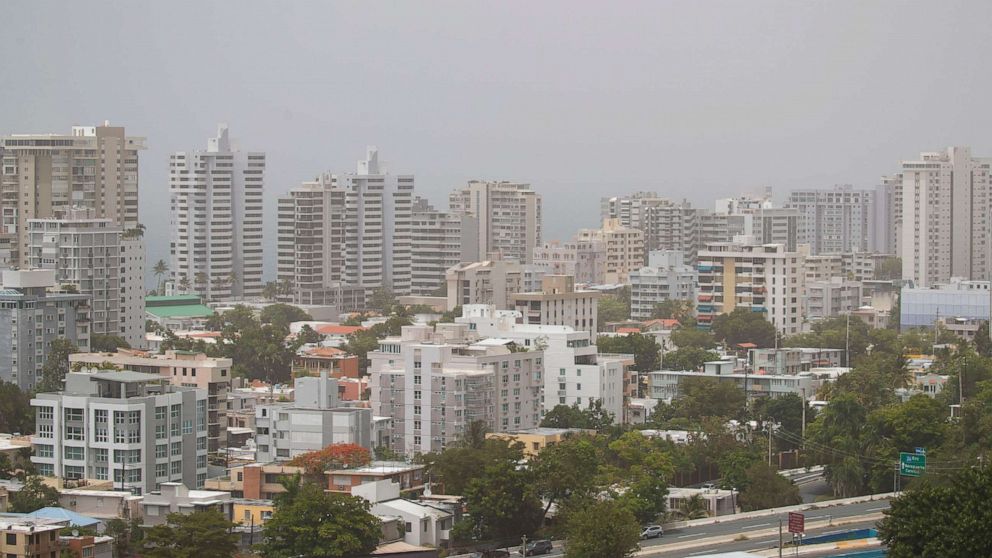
(177, 311)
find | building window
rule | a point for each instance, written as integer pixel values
(134, 417)
(100, 434)
(45, 431)
(161, 450)
(44, 450)
(159, 431)
(73, 432)
(160, 413)
(100, 416)
(74, 453)
(177, 448)
(100, 455)
(73, 414)
(45, 413)
(177, 468)
(187, 426)
(161, 470)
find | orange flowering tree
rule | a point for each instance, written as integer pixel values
(334, 456)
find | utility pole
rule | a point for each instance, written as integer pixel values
(847, 342)
(770, 426)
(780, 543)
(804, 419)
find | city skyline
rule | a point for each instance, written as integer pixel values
(672, 109)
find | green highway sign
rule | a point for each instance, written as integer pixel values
(912, 464)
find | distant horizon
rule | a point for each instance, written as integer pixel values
(694, 100)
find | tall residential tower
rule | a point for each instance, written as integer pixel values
(217, 219)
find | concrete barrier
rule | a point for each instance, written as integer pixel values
(778, 511)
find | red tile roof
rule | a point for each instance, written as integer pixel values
(332, 329)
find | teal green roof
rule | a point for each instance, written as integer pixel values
(180, 311)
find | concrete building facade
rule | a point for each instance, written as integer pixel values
(945, 229)
(130, 428)
(623, 249)
(484, 282)
(666, 277)
(101, 261)
(559, 303)
(216, 203)
(31, 319)
(763, 278)
(182, 368)
(42, 176)
(509, 217)
(834, 220)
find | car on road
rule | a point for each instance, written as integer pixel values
(652, 532)
(538, 547)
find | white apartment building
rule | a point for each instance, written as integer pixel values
(833, 297)
(666, 277)
(575, 374)
(31, 318)
(509, 217)
(435, 383)
(378, 240)
(582, 259)
(312, 422)
(441, 240)
(836, 220)
(623, 249)
(486, 282)
(44, 175)
(132, 428)
(102, 261)
(559, 303)
(946, 203)
(181, 368)
(666, 225)
(216, 203)
(311, 239)
(665, 385)
(763, 278)
(855, 266)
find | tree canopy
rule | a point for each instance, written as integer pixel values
(941, 520)
(572, 416)
(33, 495)
(334, 456)
(744, 326)
(16, 414)
(281, 315)
(602, 529)
(645, 349)
(200, 534)
(310, 522)
(673, 309)
(612, 309)
(56, 365)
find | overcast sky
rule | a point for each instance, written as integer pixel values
(581, 99)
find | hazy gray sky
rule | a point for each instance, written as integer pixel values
(694, 99)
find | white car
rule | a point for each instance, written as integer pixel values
(652, 532)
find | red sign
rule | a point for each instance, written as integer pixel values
(797, 522)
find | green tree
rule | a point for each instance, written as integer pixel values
(56, 365)
(34, 495)
(107, 343)
(307, 336)
(785, 410)
(744, 326)
(281, 315)
(160, 269)
(594, 417)
(983, 343)
(889, 269)
(708, 397)
(602, 529)
(502, 503)
(460, 464)
(673, 309)
(693, 507)
(310, 522)
(127, 535)
(688, 358)
(765, 488)
(832, 333)
(360, 344)
(838, 440)
(644, 348)
(612, 309)
(382, 299)
(565, 470)
(949, 520)
(270, 290)
(201, 534)
(691, 337)
(16, 414)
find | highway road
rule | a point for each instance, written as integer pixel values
(692, 541)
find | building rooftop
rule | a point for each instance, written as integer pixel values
(383, 468)
(179, 311)
(127, 377)
(62, 514)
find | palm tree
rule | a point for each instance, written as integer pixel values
(159, 270)
(475, 435)
(694, 507)
(271, 290)
(200, 280)
(232, 279)
(286, 287)
(184, 283)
